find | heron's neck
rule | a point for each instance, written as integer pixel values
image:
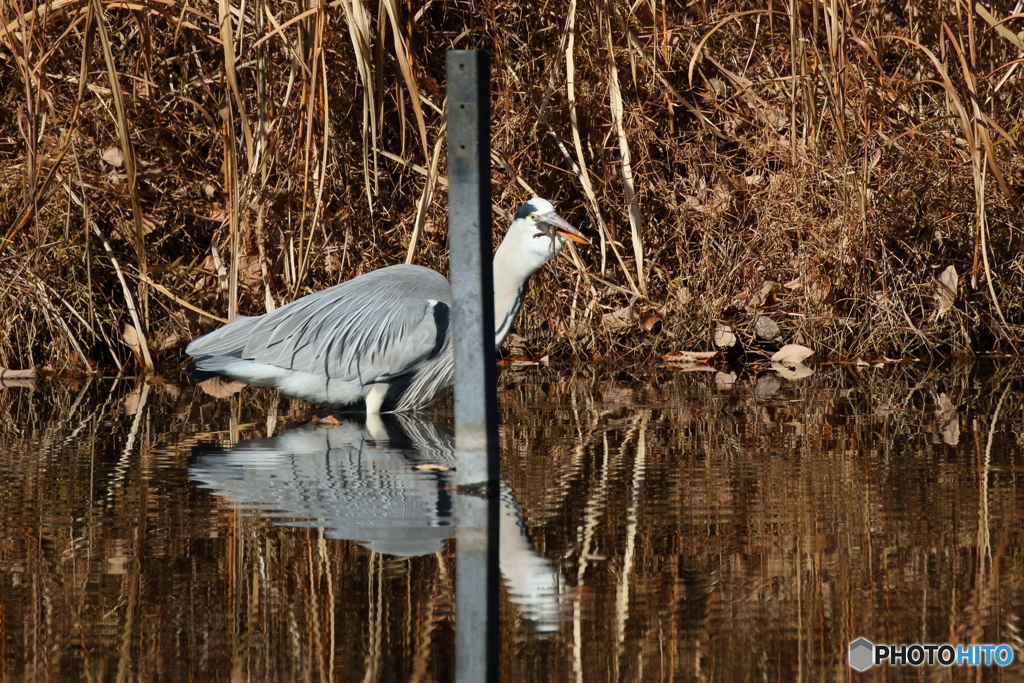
(512, 273)
(505, 313)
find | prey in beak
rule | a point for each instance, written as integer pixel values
(556, 225)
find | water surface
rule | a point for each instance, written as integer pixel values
(656, 526)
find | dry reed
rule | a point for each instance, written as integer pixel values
(818, 163)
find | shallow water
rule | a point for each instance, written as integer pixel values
(655, 527)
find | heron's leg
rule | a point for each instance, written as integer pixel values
(375, 398)
(375, 427)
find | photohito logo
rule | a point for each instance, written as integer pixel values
(864, 654)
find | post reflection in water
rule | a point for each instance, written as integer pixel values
(673, 528)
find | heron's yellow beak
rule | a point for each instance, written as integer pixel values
(565, 229)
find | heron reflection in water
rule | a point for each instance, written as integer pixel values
(388, 483)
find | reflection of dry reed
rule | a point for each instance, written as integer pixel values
(235, 156)
(773, 531)
(707, 533)
(138, 573)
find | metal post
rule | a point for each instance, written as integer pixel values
(469, 225)
(476, 403)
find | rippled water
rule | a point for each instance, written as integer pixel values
(655, 527)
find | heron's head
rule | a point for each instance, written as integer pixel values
(541, 231)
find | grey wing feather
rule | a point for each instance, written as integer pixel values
(225, 341)
(371, 328)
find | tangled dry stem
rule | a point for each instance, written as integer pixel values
(818, 163)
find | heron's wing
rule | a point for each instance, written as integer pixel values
(372, 328)
(224, 341)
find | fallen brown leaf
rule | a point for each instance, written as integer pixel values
(791, 354)
(130, 336)
(618, 319)
(945, 290)
(220, 387)
(724, 336)
(689, 356)
(27, 373)
(792, 372)
(113, 156)
(651, 322)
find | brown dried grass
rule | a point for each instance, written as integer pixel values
(817, 162)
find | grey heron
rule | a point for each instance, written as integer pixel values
(381, 340)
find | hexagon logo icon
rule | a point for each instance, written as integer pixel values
(862, 654)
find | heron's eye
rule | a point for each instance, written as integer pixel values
(534, 217)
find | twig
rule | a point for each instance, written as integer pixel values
(128, 299)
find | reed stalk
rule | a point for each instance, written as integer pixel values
(817, 163)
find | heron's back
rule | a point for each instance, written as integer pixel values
(386, 326)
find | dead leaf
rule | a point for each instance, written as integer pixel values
(113, 156)
(945, 290)
(716, 201)
(819, 293)
(792, 372)
(724, 336)
(30, 383)
(221, 387)
(724, 380)
(148, 170)
(132, 400)
(688, 357)
(149, 224)
(764, 297)
(697, 367)
(517, 345)
(169, 342)
(651, 322)
(27, 373)
(791, 354)
(249, 271)
(618, 319)
(130, 336)
(18, 378)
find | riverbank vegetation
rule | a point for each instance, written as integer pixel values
(842, 175)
